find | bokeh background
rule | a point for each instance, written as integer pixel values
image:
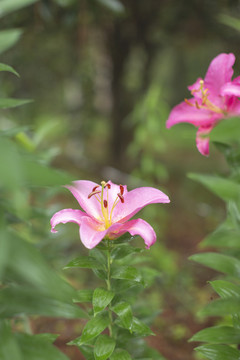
(103, 76)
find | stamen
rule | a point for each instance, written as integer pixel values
(197, 105)
(188, 102)
(94, 193)
(95, 188)
(121, 189)
(105, 204)
(121, 198)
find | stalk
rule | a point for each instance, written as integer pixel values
(108, 281)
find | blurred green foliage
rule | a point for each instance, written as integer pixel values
(103, 75)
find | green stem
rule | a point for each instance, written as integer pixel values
(108, 281)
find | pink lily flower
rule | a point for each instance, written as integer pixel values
(107, 210)
(214, 98)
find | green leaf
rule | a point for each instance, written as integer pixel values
(8, 6)
(223, 263)
(9, 348)
(84, 262)
(8, 38)
(224, 188)
(123, 250)
(218, 335)
(225, 289)
(8, 68)
(101, 299)
(87, 351)
(10, 103)
(222, 307)
(93, 328)
(141, 329)
(218, 352)
(226, 131)
(114, 5)
(103, 348)
(35, 347)
(120, 354)
(124, 311)
(126, 273)
(223, 238)
(16, 300)
(83, 296)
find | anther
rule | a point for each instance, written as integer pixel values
(93, 193)
(197, 105)
(188, 102)
(95, 188)
(121, 189)
(105, 203)
(121, 197)
(108, 186)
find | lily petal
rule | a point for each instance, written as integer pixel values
(91, 232)
(135, 200)
(231, 88)
(112, 194)
(81, 190)
(66, 215)
(219, 73)
(202, 139)
(141, 228)
(186, 113)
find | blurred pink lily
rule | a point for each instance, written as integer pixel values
(214, 98)
(107, 210)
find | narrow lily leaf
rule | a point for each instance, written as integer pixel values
(7, 6)
(84, 262)
(226, 264)
(120, 354)
(83, 296)
(8, 68)
(222, 307)
(226, 130)
(18, 300)
(8, 38)
(93, 328)
(218, 352)
(127, 273)
(141, 329)
(218, 335)
(114, 5)
(87, 351)
(224, 188)
(123, 250)
(225, 289)
(223, 238)
(35, 347)
(101, 299)
(124, 311)
(11, 103)
(103, 348)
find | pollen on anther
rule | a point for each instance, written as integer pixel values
(108, 186)
(93, 193)
(121, 197)
(95, 188)
(105, 203)
(121, 189)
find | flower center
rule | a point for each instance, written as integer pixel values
(205, 103)
(102, 197)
